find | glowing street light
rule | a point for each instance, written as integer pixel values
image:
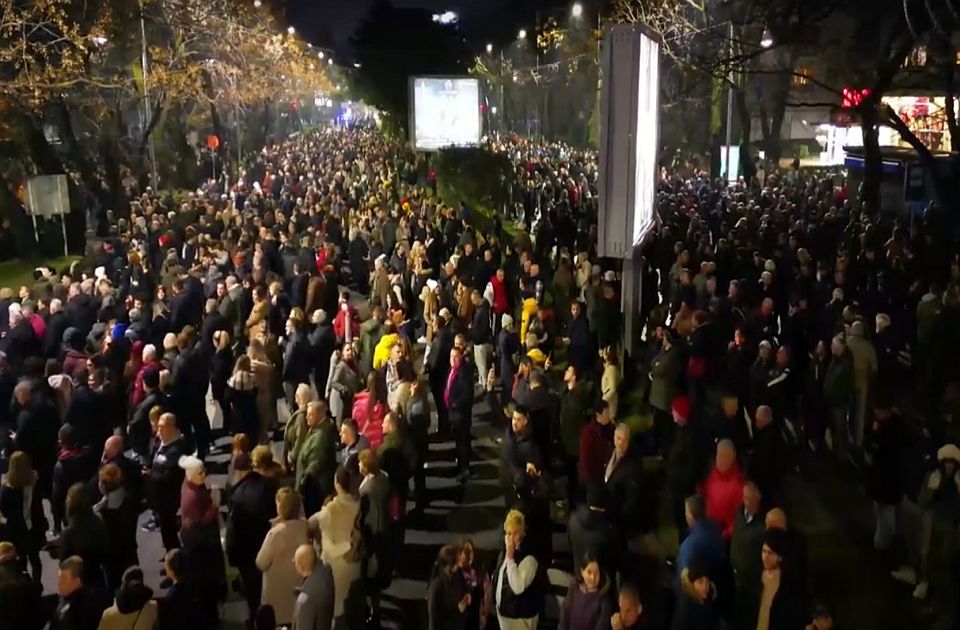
(356, 65)
(321, 55)
(577, 10)
(766, 41)
(100, 40)
(489, 48)
(522, 34)
(291, 30)
(257, 4)
(446, 18)
(330, 61)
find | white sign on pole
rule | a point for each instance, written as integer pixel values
(734, 152)
(48, 196)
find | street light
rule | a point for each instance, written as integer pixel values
(446, 18)
(766, 41)
(320, 54)
(489, 48)
(257, 4)
(330, 61)
(522, 34)
(291, 30)
(356, 65)
(100, 40)
(577, 10)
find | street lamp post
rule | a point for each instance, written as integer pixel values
(729, 147)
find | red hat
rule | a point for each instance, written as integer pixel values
(681, 407)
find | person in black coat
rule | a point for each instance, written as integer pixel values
(579, 344)
(88, 414)
(26, 529)
(622, 477)
(81, 605)
(21, 342)
(252, 506)
(85, 536)
(458, 399)
(438, 366)
(119, 510)
(190, 377)
(19, 595)
(591, 530)
(521, 455)
(767, 462)
(220, 367)
(212, 322)
(76, 463)
(322, 344)
(359, 265)
(297, 356)
(36, 432)
(446, 602)
(165, 478)
(180, 607)
(57, 324)
(884, 478)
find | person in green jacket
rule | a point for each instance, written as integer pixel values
(838, 393)
(317, 460)
(573, 415)
(295, 432)
(370, 333)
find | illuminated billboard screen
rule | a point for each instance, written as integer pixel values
(648, 108)
(445, 113)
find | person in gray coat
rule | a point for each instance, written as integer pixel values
(313, 608)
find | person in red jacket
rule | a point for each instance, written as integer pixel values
(723, 488)
(596, 446)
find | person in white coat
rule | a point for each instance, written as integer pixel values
(275, 559)
(338, 524)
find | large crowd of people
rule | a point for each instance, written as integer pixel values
(329, 302)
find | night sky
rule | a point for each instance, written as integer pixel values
(331, 22)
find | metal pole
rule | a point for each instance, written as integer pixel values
(726, 175)
(155, 180)
(503, 105)
(63, 228)
(239, 140)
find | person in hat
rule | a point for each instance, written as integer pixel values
(681, 464)
(940, 496)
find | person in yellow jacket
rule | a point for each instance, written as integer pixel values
(381, 353)
(529, 310)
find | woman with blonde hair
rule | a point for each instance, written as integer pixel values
(21, 508)
(275, 558)
(610, 379)
(517, 597)
(264, 463)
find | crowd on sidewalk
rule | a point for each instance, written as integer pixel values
(779, 319)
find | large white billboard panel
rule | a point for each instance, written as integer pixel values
(445, 112)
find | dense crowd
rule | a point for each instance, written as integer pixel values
(782, 324)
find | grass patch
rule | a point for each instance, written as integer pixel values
(15, 273)
(481, 179)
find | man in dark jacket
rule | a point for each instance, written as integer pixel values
(75, 464)
(542, 405)
(458, 400)
(885, 477)
(574, 407)
(766, 466)
(521, 457)
(180, 607)
(481, 335)
(297, 356)
(438, 366)
(591, 530)
(80, 607)
(322, 344)
(596, 445)
(57, 323)
(190, 382)
(252, 505)
(745, 546)
(622, 478)
(165, 478)
(578, 341)
(36, 432)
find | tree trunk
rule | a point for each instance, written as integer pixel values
(873, 159)
(950, 103)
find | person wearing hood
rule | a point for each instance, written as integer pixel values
(698, 607)
(940, 495)
(588, 602)
(75, 464)
(133, 608)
